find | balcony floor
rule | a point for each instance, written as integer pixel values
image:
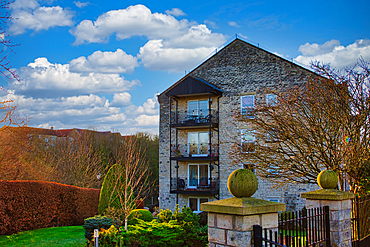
(194, 158)
(195, 192)
(194, 125)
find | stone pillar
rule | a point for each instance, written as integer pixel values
(340, 206)
(230, 221)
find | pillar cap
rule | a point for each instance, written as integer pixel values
(328, 195)
(242, 206)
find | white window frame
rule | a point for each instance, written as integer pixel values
(198, 182)
(249, 109)
(198, 152)
(242, 140)
(271, 99)
(198, 202)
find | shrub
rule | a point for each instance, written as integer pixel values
(171, 229)
(107, 197)
(29, 205)
(107, 238)
(185, 216)
(153, 234)
(98, 222)
(141, 214)
(109, 194)
(194, 234)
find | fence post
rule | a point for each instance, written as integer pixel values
(327, 225)
(96, 237)
(257, 230)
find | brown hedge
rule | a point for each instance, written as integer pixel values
(28, 205)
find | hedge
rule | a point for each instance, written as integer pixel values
(29, 205)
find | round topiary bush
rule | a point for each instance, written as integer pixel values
(142, 214)
(327, 179)
(242, 183)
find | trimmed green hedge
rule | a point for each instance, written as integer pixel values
(29, 205)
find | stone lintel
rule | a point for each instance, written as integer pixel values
(328, 194)
(242, 206)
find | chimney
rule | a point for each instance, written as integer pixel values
(52, 127)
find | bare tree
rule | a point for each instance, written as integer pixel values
(322, 124)
(7, 44)
(73, 160)
(131, 181)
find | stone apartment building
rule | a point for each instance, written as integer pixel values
(197, 129)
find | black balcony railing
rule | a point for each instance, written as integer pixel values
(194, 150)
(192, 118)
(195, 186)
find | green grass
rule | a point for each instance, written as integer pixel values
(54, 236)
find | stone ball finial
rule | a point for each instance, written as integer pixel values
(327, 179)
(242, 183)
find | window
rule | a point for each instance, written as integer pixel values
(273, 199)
(198, 143)
(247, 105)
(194, 203)
(271, 99)
(198, 175)
(197, 108)
(247, 141)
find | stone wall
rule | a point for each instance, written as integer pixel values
(238, 69)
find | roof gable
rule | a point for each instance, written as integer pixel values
(193, 86)
(232, 45)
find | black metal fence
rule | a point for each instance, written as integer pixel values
(361, 221)
(308, 227)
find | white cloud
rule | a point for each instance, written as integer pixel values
(121, 99)
(81, 4)
(196, 36)
(173, 45)
(155, 56)
(145, 120)
(334, 53)
(135, 20)
(233, 24)
(44, 79)
(180, 53)
(175, 12)
(105, 62)
(86, 111)
(316, 49)
(150, 107)
(27, 14)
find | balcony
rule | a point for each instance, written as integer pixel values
(183, 119)
(189, 152)
(208, 186)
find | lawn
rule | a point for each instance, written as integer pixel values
(54, 236)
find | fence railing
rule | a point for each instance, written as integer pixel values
(207, 184)
(308, 227)
(361, 221)
(194, 150)
(190, 118)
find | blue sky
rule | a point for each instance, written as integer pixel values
(100, 63)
